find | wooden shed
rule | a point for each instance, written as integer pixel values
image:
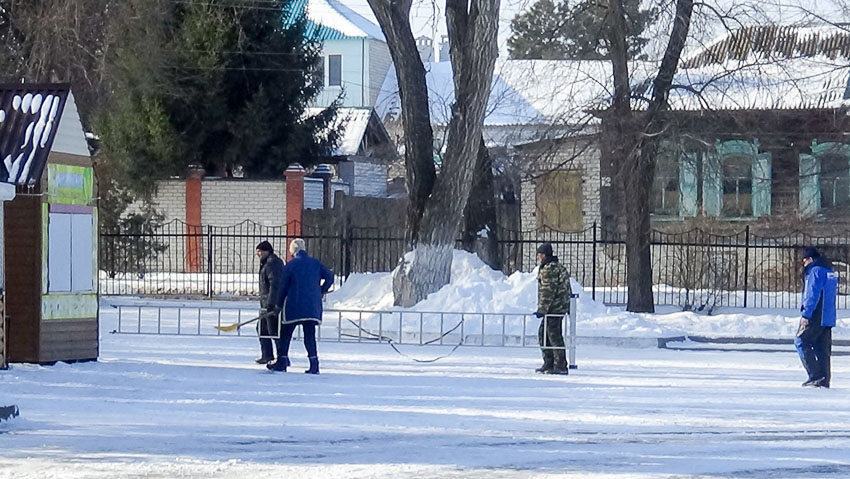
(49, 228)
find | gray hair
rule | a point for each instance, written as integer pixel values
(297, 245)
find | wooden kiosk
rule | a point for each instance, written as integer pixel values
(49, 228)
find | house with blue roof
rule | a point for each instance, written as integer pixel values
(355, 55)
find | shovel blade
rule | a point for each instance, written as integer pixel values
(229, 327)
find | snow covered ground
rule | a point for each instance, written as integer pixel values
(196, 406)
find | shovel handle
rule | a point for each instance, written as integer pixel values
(235, 326)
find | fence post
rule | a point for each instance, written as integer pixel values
(746, 262)
(593, 260)
(346, 245)
(209, 261)
(572, 329)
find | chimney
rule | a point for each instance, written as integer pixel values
(426, 49)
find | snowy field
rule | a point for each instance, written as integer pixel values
(158, 406)
(161, 407)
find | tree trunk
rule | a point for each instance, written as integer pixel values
(420, 173)
(634, 153)
(480, 235)
(638, 178)
(472, 28)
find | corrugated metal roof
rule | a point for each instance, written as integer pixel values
(29, 120)
(766, 42)
(332, 20)
(355, 121)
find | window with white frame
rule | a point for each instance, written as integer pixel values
(334, 70)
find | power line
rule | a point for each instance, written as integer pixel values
(257, 52)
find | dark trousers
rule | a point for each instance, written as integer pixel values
(309, 330)
(550, 337)
(267, 326)
(814, 345)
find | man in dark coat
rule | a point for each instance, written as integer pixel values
(814, 336)
(553, 302)
(305, 281)
(271, 277)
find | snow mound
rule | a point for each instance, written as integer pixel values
(474, 288)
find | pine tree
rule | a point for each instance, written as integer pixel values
(216, 84)
(558, 31)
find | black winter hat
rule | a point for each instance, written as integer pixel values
(265, 246)
(545, 249)
(811, 252)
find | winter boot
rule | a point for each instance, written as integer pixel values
(548, 364)
(263, 360)
(816, 383)
(561, 366)
(314, 365)
(279, 365)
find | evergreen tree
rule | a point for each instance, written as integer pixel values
(559, 31)
(216, 84)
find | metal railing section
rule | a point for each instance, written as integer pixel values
(421, 328)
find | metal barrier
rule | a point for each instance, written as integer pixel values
(570, 337)
(420, 328)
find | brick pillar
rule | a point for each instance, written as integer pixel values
(194, 253)
(294, 202)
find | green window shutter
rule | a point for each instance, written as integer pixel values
(762, 180)
(688, 184)
(809, 185)
(712, 184)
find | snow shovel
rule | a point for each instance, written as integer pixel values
(235, 326)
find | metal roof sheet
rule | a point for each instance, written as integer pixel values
(771, 43)
(332, 20)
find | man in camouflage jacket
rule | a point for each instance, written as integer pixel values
(553, 302)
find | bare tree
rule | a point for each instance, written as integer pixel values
(634, 150)
(437, 201)
(57, 41)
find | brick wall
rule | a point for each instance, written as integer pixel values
(170, 199)
(228, 202)
(580, 156)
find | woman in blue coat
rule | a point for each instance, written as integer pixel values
(305, 281)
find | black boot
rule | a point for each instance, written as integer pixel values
(279, 365)
(263, 360)
(548, 363)
(314, 365)
(561, 366)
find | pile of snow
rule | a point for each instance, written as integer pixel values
(474, 288)
(477, 288)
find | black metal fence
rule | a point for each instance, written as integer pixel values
(695, 270)
(182, 259)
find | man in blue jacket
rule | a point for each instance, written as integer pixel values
(814, 336)
(305, 280)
